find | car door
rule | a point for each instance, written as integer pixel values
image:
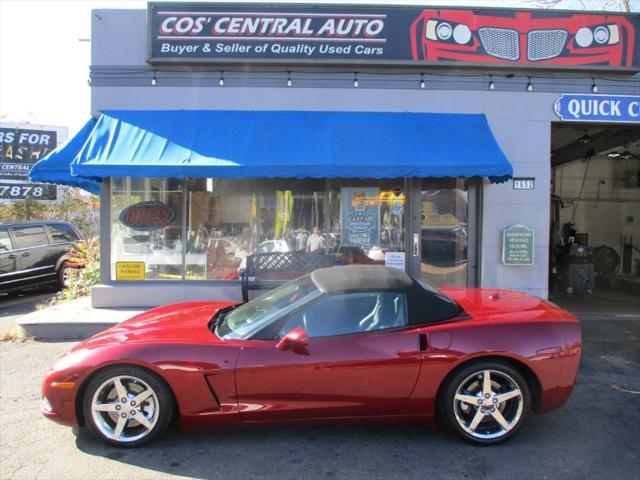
(361, 360)
(36, 262)
(63, 238)
(9, 260)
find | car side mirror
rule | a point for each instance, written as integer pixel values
(294, 338)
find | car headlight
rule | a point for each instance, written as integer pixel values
(448, 32)
(444, 31)
(600, 34)
(584, 37)
(461, 34)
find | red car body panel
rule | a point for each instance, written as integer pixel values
(382, 374)
(365, 374)
(620, 54)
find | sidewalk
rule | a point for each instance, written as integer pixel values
(75, 319)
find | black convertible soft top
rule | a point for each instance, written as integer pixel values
(360, 278)
(425, 304)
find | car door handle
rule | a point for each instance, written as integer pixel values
(12, 256)
(26, 254)
(422, 342)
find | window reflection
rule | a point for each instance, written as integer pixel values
(138, 234)
(444, 232)
(226, 220)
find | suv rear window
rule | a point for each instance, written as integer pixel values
(61, 232)
(5, 240)
(31, 236)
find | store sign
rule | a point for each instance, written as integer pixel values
(147, 216)
(130, 270)
(259, 33)
(360, 214)
(598, 108)
(517, 245)
(21, 148)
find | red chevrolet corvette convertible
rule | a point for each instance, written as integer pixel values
(353, 343)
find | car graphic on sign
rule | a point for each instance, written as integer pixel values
(523, 38)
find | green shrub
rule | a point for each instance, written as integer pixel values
(84, 258)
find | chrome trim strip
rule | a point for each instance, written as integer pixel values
(27, 271)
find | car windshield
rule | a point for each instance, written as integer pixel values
(247, 319)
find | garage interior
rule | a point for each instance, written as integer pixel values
(595, 208)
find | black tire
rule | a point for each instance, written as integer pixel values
(64, 273)
(459, 416)
(132, 378)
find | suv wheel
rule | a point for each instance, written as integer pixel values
(64, 275)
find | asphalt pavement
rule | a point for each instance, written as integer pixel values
(12, 307)
(595, 436)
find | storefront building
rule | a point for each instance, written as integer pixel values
(415, 138)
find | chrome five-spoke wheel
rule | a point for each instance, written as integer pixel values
(126, 406)
(487, 403)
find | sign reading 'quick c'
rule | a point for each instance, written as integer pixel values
(598, 108)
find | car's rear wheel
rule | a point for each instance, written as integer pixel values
(127, 406)
(485, 402)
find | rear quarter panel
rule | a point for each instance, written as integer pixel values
(530, 333)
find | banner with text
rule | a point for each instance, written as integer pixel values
(20, 148)
(309, 34)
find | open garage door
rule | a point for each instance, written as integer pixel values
(595, 217)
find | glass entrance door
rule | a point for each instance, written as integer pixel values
(444, 232)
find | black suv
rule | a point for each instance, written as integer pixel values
(34, 253)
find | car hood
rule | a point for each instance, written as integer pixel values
(178, 322)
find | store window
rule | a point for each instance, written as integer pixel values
(227, 220)
(444, 232)
(146, 228)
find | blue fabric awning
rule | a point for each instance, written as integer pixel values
(55, 167)
(241, 144)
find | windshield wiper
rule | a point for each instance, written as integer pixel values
(217, 320)
(223, 314)
(219, 317)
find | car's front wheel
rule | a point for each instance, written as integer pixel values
(485, 402)
(64, 275)
(127, 406)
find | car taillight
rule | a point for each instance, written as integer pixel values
(448, 32)
(597, 35)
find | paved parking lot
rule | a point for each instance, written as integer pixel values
(596, 435)
(13, 307)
